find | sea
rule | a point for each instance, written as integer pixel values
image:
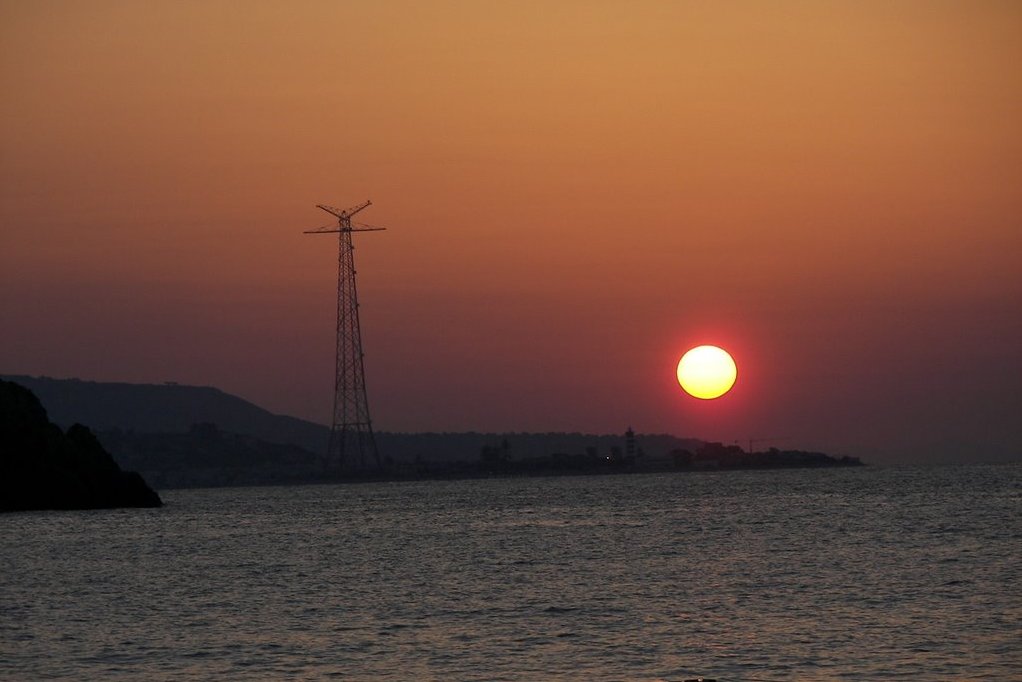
(817, 574)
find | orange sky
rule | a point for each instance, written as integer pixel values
(575, 193)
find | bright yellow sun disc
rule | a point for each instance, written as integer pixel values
(707, 372)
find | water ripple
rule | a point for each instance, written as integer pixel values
(867, 573)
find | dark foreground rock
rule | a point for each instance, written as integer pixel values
(42, 467)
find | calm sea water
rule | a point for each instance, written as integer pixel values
(865, 573)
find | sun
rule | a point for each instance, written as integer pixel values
(707, 372)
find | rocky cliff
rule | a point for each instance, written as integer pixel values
(43, 467)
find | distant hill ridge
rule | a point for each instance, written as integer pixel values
(165, 408)
(174, 408)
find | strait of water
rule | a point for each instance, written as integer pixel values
(869, 573)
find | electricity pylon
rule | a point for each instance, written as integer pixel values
(351, 432)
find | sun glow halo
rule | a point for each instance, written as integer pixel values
(707, 372)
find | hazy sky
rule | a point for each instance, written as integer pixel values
(575, 193)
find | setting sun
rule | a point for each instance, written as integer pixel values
(707, 372)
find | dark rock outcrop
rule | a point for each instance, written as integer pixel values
(41, 467)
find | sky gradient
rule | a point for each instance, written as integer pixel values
(575, 194)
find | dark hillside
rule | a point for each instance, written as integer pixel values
(166, 408)
(173, 408)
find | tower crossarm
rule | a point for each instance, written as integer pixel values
(327, 229)
(344, 213)
(344, 223)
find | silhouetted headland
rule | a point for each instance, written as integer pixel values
(190, 436)
(42, 467)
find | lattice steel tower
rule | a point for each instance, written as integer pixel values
(351, 433)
